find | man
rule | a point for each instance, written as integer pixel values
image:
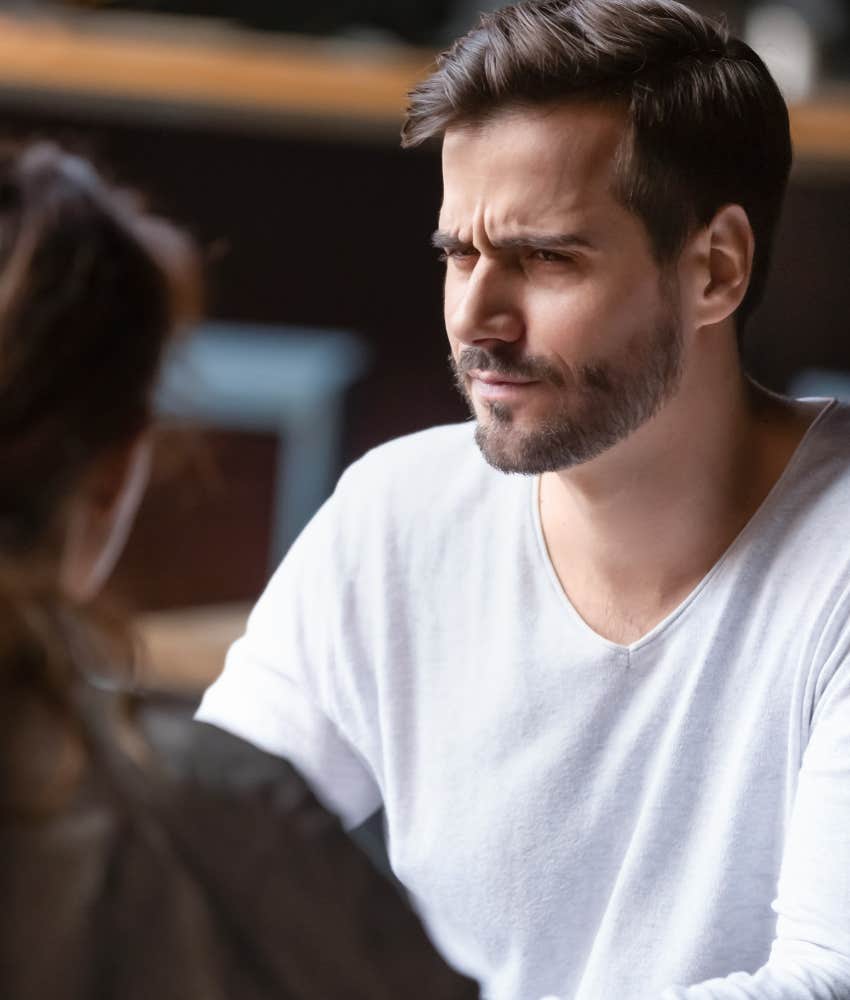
(605, 703)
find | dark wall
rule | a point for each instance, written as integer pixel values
(805, 319)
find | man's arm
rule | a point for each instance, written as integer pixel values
(277, 687)
(810, 957)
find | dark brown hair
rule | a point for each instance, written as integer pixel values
(707, 123)
(92, 289)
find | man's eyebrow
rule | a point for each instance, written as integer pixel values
(526, 241)
(445, 241)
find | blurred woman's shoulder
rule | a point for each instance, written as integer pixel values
(194, 864)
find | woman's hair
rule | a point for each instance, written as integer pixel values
(92, 289)
(707, 125)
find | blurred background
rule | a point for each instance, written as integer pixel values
(270, 130)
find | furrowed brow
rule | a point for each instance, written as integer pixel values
(544, 241)
(526, 241)
(446, 241)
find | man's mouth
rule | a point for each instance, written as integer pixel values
(494, 387)
(494, 378)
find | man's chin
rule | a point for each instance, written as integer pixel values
(506, 448)
(531, 451)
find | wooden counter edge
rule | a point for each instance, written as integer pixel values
(183, 650)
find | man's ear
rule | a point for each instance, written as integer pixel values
(720, 263)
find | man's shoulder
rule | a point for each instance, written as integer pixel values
(799, 529)
(822, 463)
(431, 445)
(832, 420)
(441, 455)
(417, 487)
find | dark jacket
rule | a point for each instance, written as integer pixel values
(218, 878)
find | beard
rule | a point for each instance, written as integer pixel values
(597, 405)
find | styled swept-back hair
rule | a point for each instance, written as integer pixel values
(707, 125)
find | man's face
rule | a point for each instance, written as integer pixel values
(564, 332)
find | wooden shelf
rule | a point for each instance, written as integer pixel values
(186, 71)
(165, 67)
(821, 131)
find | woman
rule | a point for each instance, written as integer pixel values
(221, 877)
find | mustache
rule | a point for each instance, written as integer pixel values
(479, 359)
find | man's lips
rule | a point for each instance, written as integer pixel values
(493, 386)
(493, 378)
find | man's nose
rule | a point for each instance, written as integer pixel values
(485, 308)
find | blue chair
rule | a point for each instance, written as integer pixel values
(290, 381)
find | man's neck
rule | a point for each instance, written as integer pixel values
(631, 533)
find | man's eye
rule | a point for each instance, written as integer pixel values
(459, 255)
(551, 257)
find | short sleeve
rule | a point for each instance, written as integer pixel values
(276, 689)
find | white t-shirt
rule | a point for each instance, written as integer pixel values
(574, 818)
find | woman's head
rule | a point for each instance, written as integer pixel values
(91, 291)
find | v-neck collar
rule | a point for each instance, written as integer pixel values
(761, 512)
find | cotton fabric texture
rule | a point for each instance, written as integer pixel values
(575, 818)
